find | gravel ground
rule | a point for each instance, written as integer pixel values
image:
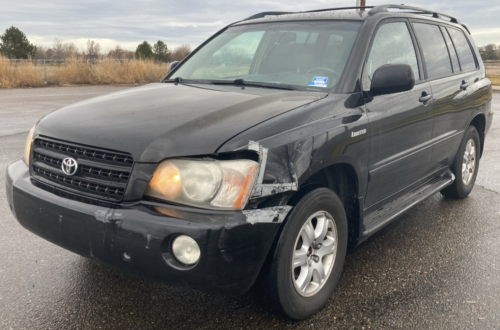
(436, 267)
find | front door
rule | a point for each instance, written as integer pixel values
(400, 124)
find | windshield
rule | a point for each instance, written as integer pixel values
(308, 55)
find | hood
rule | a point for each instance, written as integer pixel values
(163, 120)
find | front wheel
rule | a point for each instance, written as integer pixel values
(303, 270)
(465, 166)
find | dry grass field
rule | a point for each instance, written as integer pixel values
(493, 71)
(28, 74)
(495, 80)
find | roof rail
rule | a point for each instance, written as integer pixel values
(278, 13)
(435, 14)
(340, 8)
(267, 13)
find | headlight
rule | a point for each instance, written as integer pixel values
(27, 149)
(208, 184)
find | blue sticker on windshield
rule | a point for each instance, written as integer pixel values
(319, 82)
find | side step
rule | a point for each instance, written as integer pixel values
(384, 215)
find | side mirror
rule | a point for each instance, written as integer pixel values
(172, 66)
(392, 78)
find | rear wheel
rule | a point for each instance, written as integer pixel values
(303, 270)
(465, 166)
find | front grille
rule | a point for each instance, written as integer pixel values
(86, 152)
(101, 173)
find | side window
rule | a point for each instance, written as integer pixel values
(392, 45)
(437, 59)
(451, 49)
(463, 49)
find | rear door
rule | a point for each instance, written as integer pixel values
(400, 124)
(450, 67)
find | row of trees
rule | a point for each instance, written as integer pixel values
(490, 52)
(15, 45)
(159, 52)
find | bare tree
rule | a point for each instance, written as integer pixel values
(69, 50)
(128, 55)
(49, 53)
(57, 47)
(180, 53)
(118, 53)
(93, 49)
(40, 53)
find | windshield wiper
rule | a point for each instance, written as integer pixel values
(243, 83)
(179, 80)
(236, 82)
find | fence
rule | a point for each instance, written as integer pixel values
(67, 60)
(491, 64)
(492, 68)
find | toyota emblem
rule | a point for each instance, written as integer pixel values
(69, 166)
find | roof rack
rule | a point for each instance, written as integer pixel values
(268, 13)
(334, 9)
(374, 10)
(417, 10)
(278, 13)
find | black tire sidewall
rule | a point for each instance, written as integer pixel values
(293, 304)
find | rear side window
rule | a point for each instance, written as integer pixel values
(434, 48)
(463, 49)
(451, 49)
(392, 45)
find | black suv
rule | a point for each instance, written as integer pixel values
(280, 142)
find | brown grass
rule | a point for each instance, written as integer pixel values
(495, 80)
(19, 75)
(27, 74)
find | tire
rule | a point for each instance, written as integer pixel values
(465, 173)
(277, 287)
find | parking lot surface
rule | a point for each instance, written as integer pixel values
(436, 267)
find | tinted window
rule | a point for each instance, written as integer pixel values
(463, 49)
(434, 48)
(451, 49)
(392, 45)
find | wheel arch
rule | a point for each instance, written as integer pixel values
(479, 122)
(343, 179)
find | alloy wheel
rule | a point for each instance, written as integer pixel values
(469, 162)
(314, 254)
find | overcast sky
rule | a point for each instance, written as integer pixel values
(128, 23)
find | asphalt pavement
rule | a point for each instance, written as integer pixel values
(436, 267)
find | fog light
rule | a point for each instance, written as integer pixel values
(186, 250)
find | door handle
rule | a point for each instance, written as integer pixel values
(425, 98)
(464, 85)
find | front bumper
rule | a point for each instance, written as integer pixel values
(136, 238)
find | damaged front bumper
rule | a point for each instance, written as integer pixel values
(136, 238)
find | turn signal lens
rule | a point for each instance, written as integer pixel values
(166, 181)
(27, 149)
(208, 184)
(236, 187)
